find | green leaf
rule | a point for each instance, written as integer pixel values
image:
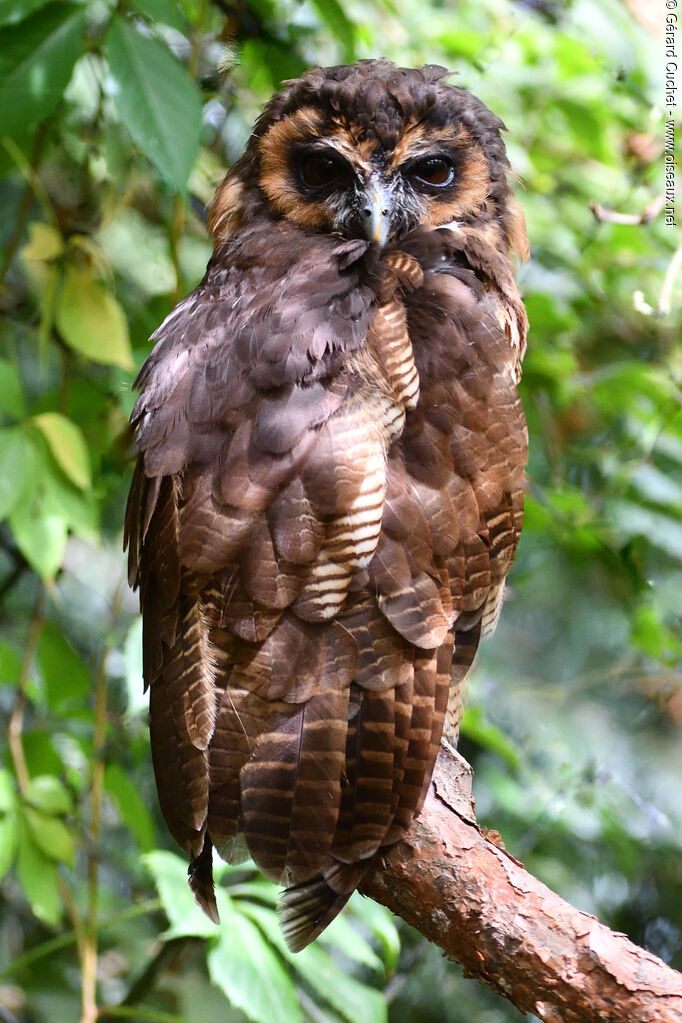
(44, 243)
(656, 486)
(66, 677)
(269, 62)
(130, 805)
(12, 398)
(223, 871)
(91, 321)
(476, 726)
(9, 835)
(635, 379)
(51, 835)
(163, 11)
(40, 537)
(662, 531)
(77, 507)
(156, 100)
(15, 465)
(349, 997)
(381, 922)
(41, 755)
(8, 796)
(259, 889)
(537, 516)
(9, 830)
(243, 964)
(12, 11)
(37, 57)
(139, 252)
(170, 877)
(650, 634)
(341, 27)
(49, 794)
(38, 877)
(342, 936)
(10, 665)
(68, 446)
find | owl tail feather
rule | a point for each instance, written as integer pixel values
(306, 908)
(200, 875)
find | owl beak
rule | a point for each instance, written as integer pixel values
(376, 211)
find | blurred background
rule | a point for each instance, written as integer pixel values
(116, 122)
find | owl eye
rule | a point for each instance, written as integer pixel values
(319, 170)
(437, 171)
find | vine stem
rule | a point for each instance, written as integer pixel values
(15, 739)
(179, 215)
(62, 941)
(147, 1013)
(177, 228)
(15, 725)
(33, 186)
(89, 945)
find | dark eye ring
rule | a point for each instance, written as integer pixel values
(319, 170)
(436, 171)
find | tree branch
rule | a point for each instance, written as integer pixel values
(464, 892)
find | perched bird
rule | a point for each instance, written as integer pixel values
(328, 495)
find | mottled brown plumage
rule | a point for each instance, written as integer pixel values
(329, 491)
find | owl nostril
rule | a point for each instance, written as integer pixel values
(367, 212)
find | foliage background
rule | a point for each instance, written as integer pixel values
(116, 121)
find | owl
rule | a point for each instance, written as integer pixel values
(329, 490)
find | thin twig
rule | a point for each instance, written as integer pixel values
(14, 575)
(89, 1011)
(89, 945)
(29, 173)
(16, 743)
(174, 238)
(179, 211)
(146, 1013)
(164, 955)
(62, 941)
(407, 965)
(74, 915)
(313, 1011)
(650, 212)
(195, 53)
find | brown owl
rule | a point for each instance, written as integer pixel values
(329, 490)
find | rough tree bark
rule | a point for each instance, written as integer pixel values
(463, 891)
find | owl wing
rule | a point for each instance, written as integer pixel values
(307, 556)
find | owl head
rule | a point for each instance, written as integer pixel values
(371, 151)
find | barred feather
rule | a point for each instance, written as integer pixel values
(329, 493)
